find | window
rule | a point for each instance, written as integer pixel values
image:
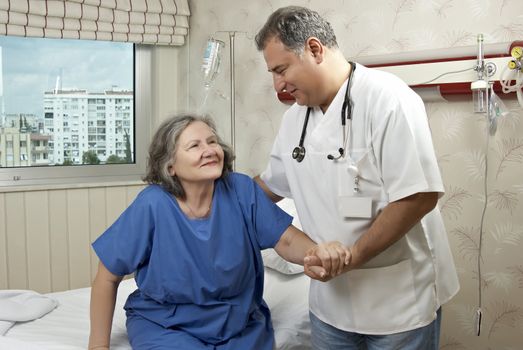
(42, 116)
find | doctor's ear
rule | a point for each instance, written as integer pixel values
(316, 48)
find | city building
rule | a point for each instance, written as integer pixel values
(14, 147)
(82, 121)
(22, 141)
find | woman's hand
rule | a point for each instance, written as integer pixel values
(327, 260)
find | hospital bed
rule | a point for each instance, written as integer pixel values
(67, 326)
(286, 292)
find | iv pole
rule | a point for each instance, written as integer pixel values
(232, 79)
(233, 97)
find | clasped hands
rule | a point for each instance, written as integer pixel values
(327, 260)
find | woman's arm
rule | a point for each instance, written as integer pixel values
(103, 300)
(294, 245)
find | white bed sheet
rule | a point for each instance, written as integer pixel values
(67, 327)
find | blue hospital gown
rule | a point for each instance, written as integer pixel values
(200, 281)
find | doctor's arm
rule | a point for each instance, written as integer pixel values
(273, 196)
(103, 300)
(395, 220)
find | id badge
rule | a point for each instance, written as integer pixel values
(351, 204)
(355, 207)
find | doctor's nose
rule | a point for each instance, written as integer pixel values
(279, 84)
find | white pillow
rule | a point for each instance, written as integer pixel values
(271, 259)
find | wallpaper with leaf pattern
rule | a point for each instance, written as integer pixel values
(475, 167)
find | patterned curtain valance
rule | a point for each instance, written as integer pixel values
(137, 21)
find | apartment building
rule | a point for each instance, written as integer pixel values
(82, 121)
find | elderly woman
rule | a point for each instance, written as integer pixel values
(193, 239)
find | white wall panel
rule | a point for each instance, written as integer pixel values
(78, 231)
(38, 240)
(46, 236)
(116, 199)
(3, 242)
(16, 240)
(132, 192)
(59, 240)
(98, 221)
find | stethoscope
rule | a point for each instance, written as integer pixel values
(298, 152)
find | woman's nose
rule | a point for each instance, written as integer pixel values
(208, 151)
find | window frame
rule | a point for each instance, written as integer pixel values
(53, 176)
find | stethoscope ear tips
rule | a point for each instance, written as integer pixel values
(331, 157)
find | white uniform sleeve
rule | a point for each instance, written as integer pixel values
(403, 148)
(274, 175)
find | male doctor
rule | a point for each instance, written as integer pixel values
(355, 153)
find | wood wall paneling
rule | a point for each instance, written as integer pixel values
(3, 244)
(59, 240)
(46, 236)
(78, 232)
(97, 222)
(116, 199)
(38, 240)
(16, 240)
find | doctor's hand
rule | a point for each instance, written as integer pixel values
(326, 260)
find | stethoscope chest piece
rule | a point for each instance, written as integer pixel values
(298, 153)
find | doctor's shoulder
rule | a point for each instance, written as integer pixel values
(387, 86)
(383, 95)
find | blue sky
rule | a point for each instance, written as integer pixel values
(31, 65)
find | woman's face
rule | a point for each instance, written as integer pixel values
(199, 157)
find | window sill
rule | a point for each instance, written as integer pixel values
(68, 186)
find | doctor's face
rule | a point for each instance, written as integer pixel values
(198, 156)
(297, 75)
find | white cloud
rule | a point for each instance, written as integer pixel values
(31, 66)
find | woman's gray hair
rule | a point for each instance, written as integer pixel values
(165, 144)
(293, 25)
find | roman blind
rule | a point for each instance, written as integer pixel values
(137, 21)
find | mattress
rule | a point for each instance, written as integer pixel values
(67, 327)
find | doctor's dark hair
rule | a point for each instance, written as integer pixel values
(164, 145)
(293, 25)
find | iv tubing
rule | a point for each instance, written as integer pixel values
(443, 74)
(482, 222)
(517, 87)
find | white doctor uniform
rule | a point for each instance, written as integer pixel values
(390, 151)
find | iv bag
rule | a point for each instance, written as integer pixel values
(211, 61)
(496, 109)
